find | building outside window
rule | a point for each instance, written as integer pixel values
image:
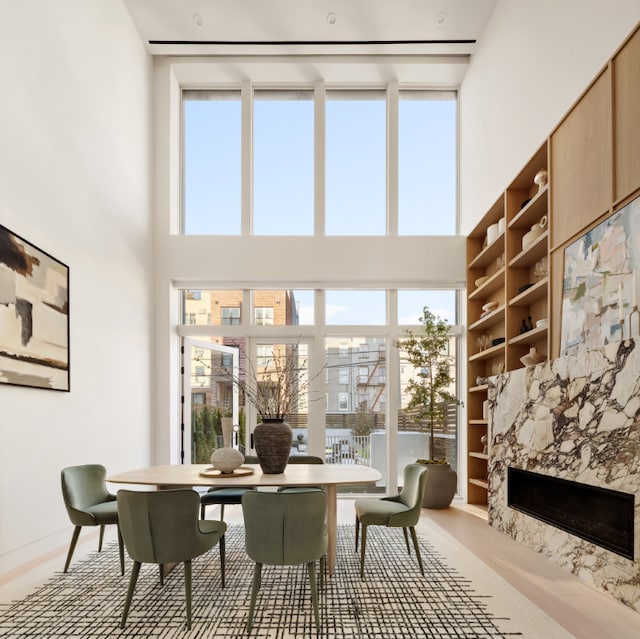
(264, 316)
(230, 315)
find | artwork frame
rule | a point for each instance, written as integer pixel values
(599, 279)
(34, 316)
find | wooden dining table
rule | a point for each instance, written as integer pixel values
(330, 476)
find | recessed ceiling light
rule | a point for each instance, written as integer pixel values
(441, 18)
(197, 19)
(331, 18)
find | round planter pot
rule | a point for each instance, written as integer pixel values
(441, 485)
(272, 440)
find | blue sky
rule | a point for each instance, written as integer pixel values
(283, 193)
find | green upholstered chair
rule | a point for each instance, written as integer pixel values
(89, 503)
(401, 511)
(162, 527)
(225, 496)
(301, 459)
(285, 529)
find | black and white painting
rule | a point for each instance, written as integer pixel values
(34, 315)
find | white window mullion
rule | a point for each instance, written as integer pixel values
(392, 158)
(247, 158)
(319, 146)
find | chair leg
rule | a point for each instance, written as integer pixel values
(314, 591)
(406, 540)
(161, 573)
(202, 507)
(221, 512)
(101, 538)
(363, 549)
(121, 550)
(72, 546)
(132, 586)
(257, 574)
(187, 590)
(357, 531)
(417, 548)
(323, 565)
(222, 556)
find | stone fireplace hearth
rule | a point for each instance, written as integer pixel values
(575, 419)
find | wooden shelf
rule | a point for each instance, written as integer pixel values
(532, 212)
(501, 286)
(495, 282)
(489, 253)
(488, 353)
(534, 251)
(495, 317)
(479, 389)
(537, 291)
(534, 335)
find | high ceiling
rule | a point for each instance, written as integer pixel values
(310, 27)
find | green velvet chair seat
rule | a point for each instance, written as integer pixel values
(301, 459)
(400, 511)
(89, 503)
(221, 497)
(162, 527)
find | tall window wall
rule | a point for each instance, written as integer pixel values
(311, 163)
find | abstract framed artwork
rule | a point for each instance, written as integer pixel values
(599, 279)
(34, 316)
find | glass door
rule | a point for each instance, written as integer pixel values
(209, 395)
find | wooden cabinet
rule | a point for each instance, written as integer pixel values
(507, 300)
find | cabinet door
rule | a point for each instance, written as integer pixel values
(626, 105)
(581, 163)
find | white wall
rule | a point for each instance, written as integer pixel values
(75, 151)
(533, 62)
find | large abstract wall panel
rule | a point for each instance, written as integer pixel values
(34, 315)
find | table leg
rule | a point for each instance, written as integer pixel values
(332, 525)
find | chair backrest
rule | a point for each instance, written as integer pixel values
(294, 459)
(160, 526)
(284, 528)
(305, 459)
(415, 480)
(83, 486)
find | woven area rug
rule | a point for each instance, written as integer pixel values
(394, 600)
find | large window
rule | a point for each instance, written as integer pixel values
(212, 169)
(427, 163)
(272, 189)
(283, 163)
(356, 163)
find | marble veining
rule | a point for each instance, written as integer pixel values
(577, 418)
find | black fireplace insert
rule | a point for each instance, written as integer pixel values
(599, 515)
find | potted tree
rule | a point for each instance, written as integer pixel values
(430, 394)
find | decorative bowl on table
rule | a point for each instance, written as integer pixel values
(226, 460)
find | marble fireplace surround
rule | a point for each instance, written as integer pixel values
(576, 418)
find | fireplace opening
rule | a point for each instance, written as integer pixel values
(599, 515)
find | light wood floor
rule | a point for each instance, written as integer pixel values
(572, 603)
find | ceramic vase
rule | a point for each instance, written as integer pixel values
(272, 440)
(442, 482)
(226, 424)
(226, 460)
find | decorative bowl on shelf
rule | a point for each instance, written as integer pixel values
(532, 358)
(542, 323)
(489, 306)
(524, 287)
(481, 280)
(497, 340)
